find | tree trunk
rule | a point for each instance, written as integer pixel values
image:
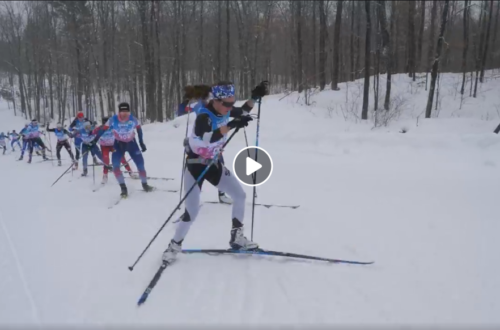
(366, 89)
(336, 46)
(420, 35)
(299, 46)
(431, 40)
(486, 42)
(435, 65)
(386, 49)
(322, 44)
(466, 45)
(411, 39)
(478, 53)
(228, 43)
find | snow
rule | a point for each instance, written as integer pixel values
(422, 205)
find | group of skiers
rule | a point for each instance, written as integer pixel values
(30, 135)
(214, 109)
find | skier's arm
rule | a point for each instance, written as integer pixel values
(139, 134)
(73, 123)
(244, 110)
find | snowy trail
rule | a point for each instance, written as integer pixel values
(423, 205)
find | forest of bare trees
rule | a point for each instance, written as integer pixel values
(60, 57)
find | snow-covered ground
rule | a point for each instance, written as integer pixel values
(422, 205)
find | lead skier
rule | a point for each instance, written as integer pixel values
(200, 93)
(205, 142)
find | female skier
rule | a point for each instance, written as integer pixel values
(204, 144)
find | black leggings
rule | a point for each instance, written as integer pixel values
(39, 142)
(66, 145)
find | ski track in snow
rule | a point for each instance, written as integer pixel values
(422, 205)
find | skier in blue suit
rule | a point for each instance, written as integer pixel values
(124, 125)
(14, 139)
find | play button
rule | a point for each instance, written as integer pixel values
(252, 163)
(252, 166)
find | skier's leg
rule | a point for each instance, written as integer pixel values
(136, 154)
(115, 159)
(85, 156)
(105, 157)
(12, 144)
(229, 184)
(223, 198)
(192, 204)
(58, 150)
(126, 164)
(68, 149)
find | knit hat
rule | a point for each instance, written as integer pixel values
(79, 115)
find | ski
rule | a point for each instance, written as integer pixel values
(274, 253)
(117, 202)
(259, 204)
(152, 284)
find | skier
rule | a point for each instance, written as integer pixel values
(207, 138)
(62, 136)
(15, 139)
(34, 138)
(107, 142)
(77, 124)
(25, 136)
(201, 93)
(89, 144)
(123, 126)
(3, 144)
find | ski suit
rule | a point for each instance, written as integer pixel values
(124, 133)
(88, 145)
(34, 138)
(107, 142)
(62, 136)
(3, 144)
(14, 139)
(202, 146)
(77, 124)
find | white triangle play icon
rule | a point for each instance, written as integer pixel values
(252, 166)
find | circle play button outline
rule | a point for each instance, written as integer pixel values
(256, 166)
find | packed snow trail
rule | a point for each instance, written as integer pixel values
(423, 205)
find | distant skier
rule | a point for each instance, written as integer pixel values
(14, 139)
(209, 134)
(24, 132)
(62, 136)
(3, 144)
(107, 142)
(89, 144)
(77, 124)
(123, 126)
(34, 138)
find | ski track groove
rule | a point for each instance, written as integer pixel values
(27, 291)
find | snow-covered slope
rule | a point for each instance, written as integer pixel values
(423, 205)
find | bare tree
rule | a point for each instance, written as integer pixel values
(322, 44)
(466, 45)
(386, 49)
(366, 89)
(487, 41)
(336, 46)
(411, 39)
(435, 65)
(420, 34)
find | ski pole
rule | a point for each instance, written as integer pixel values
(214, 160)
(184, 156)
(255, 176)
(93, 168)
(248, 151)
(64, 173)
(51, 155)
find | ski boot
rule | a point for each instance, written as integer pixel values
(37, 153)
(124, 193)
(85, 172)
(104, 178)
(45, 157)
(133, 175)
(21, 158)
(29, 160)
(147, 188)
(223, 198)
(59, 162)
(170, 253)
(75, 165)
(239, 241)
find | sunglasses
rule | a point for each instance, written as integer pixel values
(227, 104)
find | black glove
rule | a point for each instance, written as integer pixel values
(260, 90)
(143, 146)
(239, 122)
(92, 144)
